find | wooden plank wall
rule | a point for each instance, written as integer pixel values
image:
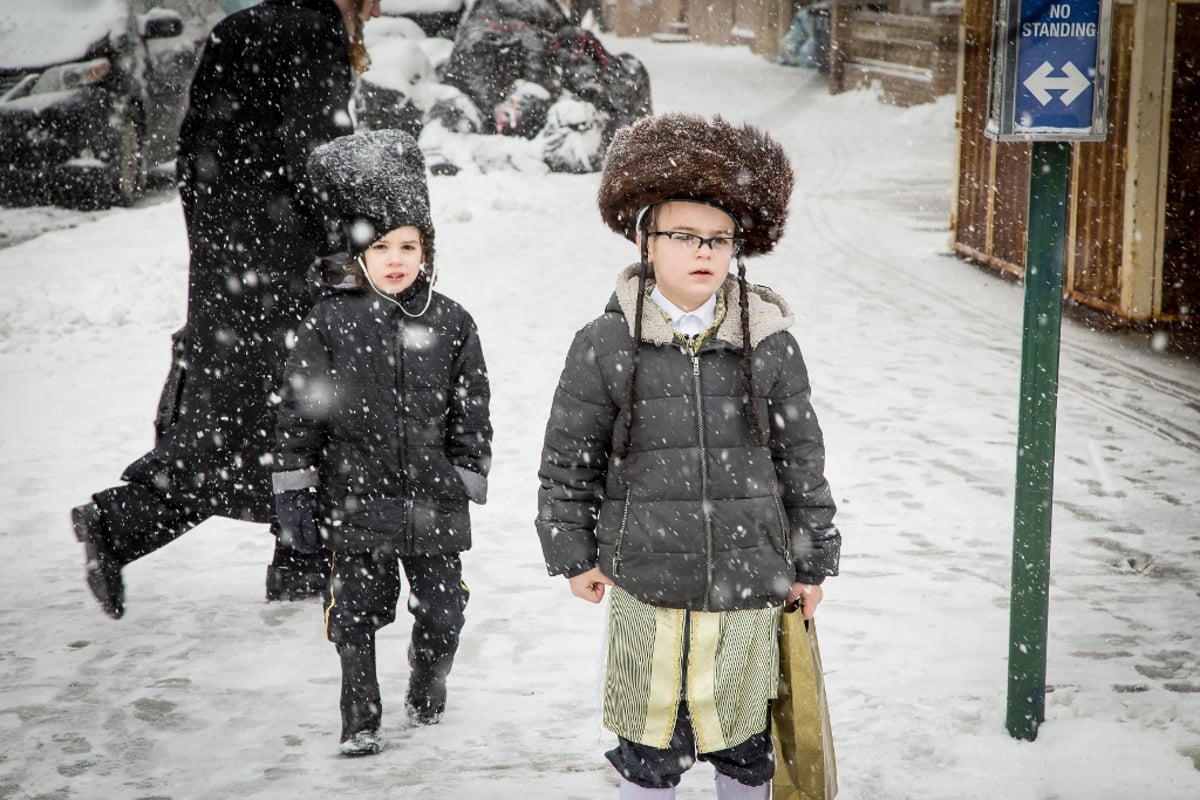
(1098, 186)
(634, 17)
(972, 210)
(1181, 241)
(993, 181)
(913, 57)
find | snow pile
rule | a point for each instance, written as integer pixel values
(74, 282)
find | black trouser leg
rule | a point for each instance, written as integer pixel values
(126, 522)
(138, 519)
(655, 768)
(361, 706)
(363, 592)
(437, 598)
(752, 762)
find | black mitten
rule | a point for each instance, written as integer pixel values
(296, 511)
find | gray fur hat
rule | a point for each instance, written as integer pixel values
(373, 182)
(677, 156)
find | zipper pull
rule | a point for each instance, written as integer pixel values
(696, 365)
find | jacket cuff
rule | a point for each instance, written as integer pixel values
(576, 569)
(294, 479)
(809, 580)
(475, 484)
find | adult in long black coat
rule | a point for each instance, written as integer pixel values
(273, 83)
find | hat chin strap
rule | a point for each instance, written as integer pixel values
(428, 299)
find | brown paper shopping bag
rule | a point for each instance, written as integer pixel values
(804, 762)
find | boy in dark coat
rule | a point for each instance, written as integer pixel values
(683, 464)
(273, 82)
(383, 432)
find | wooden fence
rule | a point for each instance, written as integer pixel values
(913, 57)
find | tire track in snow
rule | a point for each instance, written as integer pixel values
(1081, 358)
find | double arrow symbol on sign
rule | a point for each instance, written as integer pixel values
(1041, 84)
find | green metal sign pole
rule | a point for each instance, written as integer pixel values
(1045, 252)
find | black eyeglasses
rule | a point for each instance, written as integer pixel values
(685, 241)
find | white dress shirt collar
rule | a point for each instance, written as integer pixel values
(689, 323)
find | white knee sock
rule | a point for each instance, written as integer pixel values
(631, 791)
(729, 789)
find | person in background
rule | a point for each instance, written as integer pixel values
(798, 47)
(273, 83)
(384, 432)
(683, 466)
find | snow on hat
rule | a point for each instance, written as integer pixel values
(373, 182)
(677, 156)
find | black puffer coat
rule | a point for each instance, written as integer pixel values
(273, 83)
(697, 516)
(389, 410)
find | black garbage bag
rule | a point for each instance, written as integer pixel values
(500, 42)
(455, 111)
(628, 91)
(617, 85)
(523, 112)
(573, 137)
(381, 107)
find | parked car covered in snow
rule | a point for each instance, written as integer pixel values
(437, 18)
(91, 97)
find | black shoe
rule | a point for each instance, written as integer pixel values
(287, 583)
(363, 743)
(103, 571)
(297, 576)
(423, 711)
(425, 700)
(362, 710)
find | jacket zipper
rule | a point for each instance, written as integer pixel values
(402, 451)
(621, 536)
(704, 499)
(785, 530)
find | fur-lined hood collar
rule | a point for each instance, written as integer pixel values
(769, 313)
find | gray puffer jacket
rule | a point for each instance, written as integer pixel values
(698, 515)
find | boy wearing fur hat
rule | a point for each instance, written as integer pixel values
(383, 432)
(683, 465)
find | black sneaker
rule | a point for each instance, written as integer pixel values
(103, 571)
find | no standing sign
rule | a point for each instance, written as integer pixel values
(1049, 70)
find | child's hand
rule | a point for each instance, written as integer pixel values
(809, 595)
(590, 585)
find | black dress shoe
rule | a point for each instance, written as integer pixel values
(103, 571)
(297, 581)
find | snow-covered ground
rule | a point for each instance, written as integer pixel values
(205, 691)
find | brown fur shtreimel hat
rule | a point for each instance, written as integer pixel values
(678, 156)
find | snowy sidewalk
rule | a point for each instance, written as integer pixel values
(205, 691)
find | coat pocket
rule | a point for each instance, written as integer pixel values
(172, 391)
